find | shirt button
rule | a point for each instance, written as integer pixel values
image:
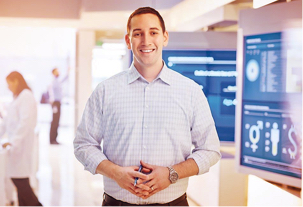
(146, 106)
(147, 88)
(144, 146)
(145, 126)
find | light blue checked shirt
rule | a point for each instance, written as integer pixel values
(156, 122)
(56, 93)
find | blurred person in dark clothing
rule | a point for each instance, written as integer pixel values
(56, 96)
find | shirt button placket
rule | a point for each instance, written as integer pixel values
(145, 124)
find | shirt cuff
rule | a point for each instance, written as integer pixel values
(205, 160)
(91, 159)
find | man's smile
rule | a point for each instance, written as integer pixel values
(147, 51)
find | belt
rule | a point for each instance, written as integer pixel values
(112, 201)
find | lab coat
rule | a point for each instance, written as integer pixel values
(19, 125)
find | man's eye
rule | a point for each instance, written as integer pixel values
(137, 34)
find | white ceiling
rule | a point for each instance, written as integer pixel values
(111, 15)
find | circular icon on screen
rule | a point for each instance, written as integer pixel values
(252, 70)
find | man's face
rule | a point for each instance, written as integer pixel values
(146, 40)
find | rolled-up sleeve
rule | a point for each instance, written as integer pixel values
(89, 134)
(204, 136)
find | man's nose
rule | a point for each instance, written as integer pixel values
(146, 39)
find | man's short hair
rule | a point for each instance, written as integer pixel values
(146, 10)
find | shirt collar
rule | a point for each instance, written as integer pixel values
(164, 75)
(133, 74)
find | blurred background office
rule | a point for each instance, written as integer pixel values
(245, 54)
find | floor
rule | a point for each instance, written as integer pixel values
(61, 179)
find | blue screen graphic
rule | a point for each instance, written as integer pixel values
(215, 72)
(271, 107)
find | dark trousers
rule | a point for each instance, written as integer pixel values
(110, 201)
(26, 195)
(56, 106)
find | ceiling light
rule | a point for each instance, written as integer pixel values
(260, 3)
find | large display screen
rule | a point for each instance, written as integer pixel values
(271, 105)
(215, 72)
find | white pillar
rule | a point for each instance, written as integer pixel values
(85, 45)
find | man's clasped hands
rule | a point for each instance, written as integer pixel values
(151, 179)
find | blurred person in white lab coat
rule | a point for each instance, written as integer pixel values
(19, 125)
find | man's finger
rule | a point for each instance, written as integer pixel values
(140, 175)
(143, 187)
(131, 190)
(146, 170)
(139, 192)
(146, 165)
(135, 191)
(150, 194)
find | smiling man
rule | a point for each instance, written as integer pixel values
(149, 116)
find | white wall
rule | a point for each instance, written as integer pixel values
(35, 52)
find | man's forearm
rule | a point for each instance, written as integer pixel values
(187, 168)
(108, 169)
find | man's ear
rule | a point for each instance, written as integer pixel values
(166, 37)
(127, 41)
